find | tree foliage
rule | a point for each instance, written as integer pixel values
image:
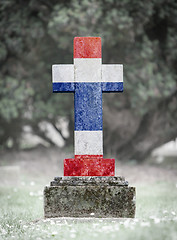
(140, 34)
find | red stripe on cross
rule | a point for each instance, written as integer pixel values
(96, 166)
(87, 47)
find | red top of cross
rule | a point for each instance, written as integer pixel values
(87, 47)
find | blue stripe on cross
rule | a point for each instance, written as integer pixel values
(88, 102)
(87, 78)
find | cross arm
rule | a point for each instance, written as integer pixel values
(112, 78)
(63, 77)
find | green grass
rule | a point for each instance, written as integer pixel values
(21, 216)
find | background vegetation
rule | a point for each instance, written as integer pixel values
(139, 34)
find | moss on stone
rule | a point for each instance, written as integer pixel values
(80, 201)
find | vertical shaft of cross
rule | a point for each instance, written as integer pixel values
(88, 98)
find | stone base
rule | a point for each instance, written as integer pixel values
(89, 197)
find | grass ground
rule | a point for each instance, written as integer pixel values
(21, 205)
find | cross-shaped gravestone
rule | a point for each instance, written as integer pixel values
(103, 195)
(88, 79)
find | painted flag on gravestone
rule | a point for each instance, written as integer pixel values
(88, 79)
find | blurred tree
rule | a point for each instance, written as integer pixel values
(141, 35)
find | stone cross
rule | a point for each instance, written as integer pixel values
(88, 78)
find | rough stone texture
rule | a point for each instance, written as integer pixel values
(89, 197)
(85, 181)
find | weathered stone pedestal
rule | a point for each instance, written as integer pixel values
(89, 197)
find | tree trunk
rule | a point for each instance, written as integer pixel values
(156, 127)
